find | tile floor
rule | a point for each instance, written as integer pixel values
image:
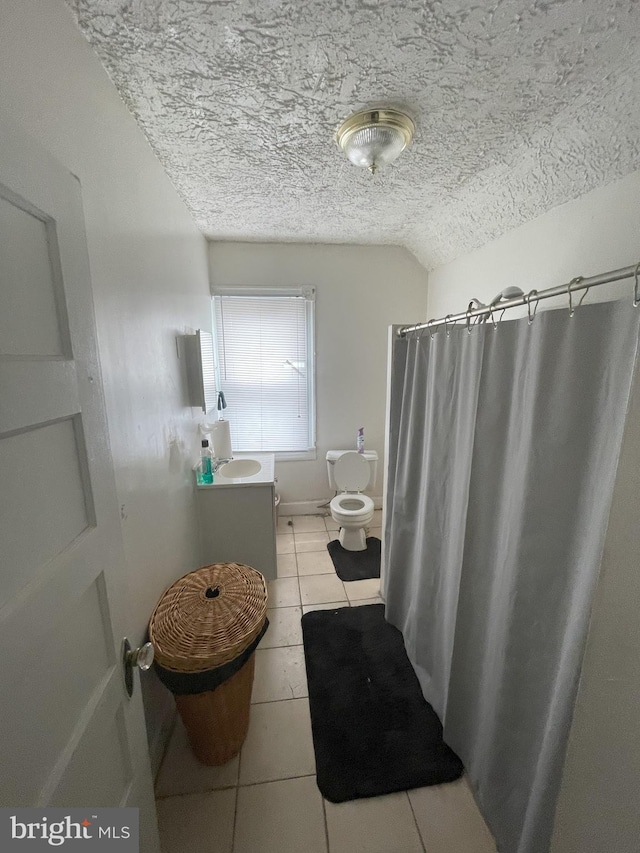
(266, 800)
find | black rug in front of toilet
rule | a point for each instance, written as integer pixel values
(356, 565)
(373, 731)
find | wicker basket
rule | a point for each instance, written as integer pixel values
(217, 721)
(203, 631)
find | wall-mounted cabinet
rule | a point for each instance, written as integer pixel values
(201, 376)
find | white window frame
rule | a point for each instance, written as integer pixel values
(308, 292)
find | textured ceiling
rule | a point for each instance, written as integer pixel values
(520, 105)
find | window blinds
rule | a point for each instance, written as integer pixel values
(265, 364)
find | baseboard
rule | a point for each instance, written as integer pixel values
(320, 506)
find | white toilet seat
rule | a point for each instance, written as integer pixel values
(351, 472)
(340, 505)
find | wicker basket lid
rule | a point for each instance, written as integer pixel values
(208, 617)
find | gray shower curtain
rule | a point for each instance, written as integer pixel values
(503, 452)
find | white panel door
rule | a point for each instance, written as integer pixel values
(70, 736)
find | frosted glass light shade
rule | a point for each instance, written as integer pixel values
(373, 138)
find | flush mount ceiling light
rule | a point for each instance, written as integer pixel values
(375, 137)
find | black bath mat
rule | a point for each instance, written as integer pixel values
(356, 565)
(373, 732)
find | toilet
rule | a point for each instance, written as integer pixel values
(349, 473)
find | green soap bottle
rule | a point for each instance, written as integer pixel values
(205, 470)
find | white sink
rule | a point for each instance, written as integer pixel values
(240, 468)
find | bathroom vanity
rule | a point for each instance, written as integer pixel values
(237, 516)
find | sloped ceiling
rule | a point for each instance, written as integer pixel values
(520, 105)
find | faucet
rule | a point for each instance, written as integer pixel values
(218, 462)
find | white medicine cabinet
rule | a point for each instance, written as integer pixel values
(201, 370)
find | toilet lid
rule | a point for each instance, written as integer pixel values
(351, 472)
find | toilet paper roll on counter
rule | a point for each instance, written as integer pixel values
(221, 439)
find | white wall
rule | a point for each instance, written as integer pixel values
(150, 281)
(361, 290)
(595, 233)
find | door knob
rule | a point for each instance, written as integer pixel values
(141, 657)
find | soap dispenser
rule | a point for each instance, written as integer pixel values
(205, 469)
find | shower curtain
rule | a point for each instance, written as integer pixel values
(503, 453)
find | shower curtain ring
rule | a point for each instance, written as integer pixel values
(468, 316)
(530, 316)
(636, 287)
(495, 322)
(482, 318)
(573, 283)
(429, 328)
(446, 325)
(474, 321)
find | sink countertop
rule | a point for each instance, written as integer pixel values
(264, 476)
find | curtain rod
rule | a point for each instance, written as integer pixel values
(578, 283)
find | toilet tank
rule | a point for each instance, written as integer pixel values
(370, 455)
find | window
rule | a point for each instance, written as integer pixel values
(264, 347)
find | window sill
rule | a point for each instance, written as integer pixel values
(285, 455)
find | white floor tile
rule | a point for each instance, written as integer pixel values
(284, 628)
(360, 601)
(279, 743)
(362, 589)
(280, 674)
(332, 526)
(287, 566)
(283, 592)
(280, 817)
(331, 605)
(284, 543)
(308, 523)
(314, 546)
(197, 823)
(305, 542)
(316, 563)
(182, 773)
(449, 820)
(376, 531)
(374, 825)
(284, 524)
(318, 589)
(314, 536)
